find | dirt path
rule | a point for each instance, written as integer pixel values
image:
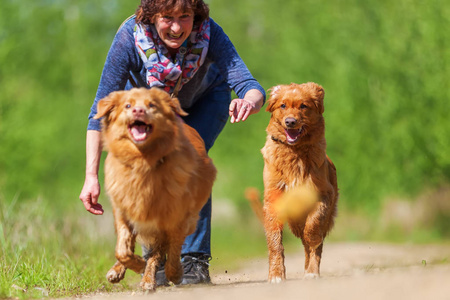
(348, 271)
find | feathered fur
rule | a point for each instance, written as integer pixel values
(158, 177)
(295, 158)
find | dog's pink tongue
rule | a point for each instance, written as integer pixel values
(292, 134)
(139, 132)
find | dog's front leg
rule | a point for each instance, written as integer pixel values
(274, 236)
(312, 238)
(126, 241)
(116, 273)
(312, 261)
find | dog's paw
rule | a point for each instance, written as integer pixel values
(116, 273)
(114, 276)
(147, 286)
(275, 279)
(309, 276)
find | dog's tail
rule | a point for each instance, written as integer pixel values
(253, 196)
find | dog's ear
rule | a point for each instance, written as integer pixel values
(106, 105)
(176, 107)
(274, 93)
(318, 94)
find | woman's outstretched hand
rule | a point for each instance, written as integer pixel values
(240, 109)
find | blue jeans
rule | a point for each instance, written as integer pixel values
(208, 116)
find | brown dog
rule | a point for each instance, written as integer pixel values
(158, 176)
(300, 184)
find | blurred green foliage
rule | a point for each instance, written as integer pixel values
(385, 69)
(384, 66)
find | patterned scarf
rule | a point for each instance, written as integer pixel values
(163, 72)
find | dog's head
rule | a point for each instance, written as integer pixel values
(296, 112)
(139, 115)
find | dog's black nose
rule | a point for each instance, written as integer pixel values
(290, 122)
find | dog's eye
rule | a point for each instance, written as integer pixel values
(127, 105)
(283, 106)
(151, 105)
(302, 106)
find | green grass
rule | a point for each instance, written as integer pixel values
(51, 251)
(46, 251)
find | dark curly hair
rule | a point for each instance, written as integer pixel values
(146, 12)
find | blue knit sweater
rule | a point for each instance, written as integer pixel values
(222, 65)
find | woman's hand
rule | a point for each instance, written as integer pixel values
(89, 195)
(91, 188)
(240, 109)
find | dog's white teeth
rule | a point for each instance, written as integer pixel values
(292, 135)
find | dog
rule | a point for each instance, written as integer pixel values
(158, 177)
(300, 183)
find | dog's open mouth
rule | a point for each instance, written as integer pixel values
(139, 130)
(292, 135)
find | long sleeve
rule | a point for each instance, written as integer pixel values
(121, 59)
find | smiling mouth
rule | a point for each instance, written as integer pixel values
(139, 131)
(292, 135)
(175, 36)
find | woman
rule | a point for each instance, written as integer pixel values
(174, 45)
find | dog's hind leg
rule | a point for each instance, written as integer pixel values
(274, 237)
(148, 282)
(173, 268)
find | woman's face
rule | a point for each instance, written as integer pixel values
(174, 28)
